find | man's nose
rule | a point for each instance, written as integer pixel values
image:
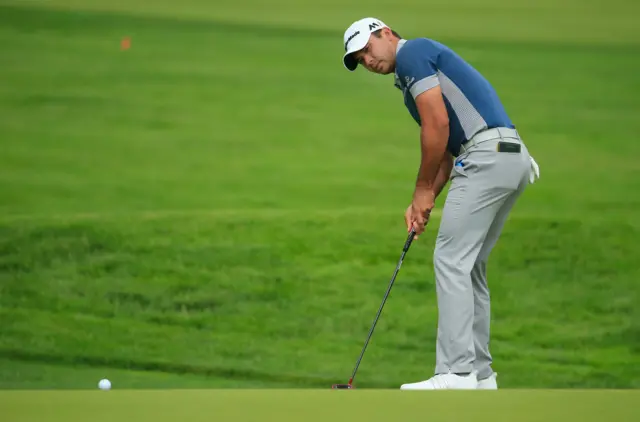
(368, 60)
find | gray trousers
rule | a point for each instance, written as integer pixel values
(483, 191)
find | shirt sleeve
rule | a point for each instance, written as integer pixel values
(416, 67)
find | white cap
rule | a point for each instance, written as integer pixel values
(356, 38)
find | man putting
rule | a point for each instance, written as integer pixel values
(466, 137)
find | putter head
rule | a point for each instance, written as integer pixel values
(341, 386)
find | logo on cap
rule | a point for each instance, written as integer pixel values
(352, 36)
(373, 25)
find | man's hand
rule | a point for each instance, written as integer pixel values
(417, 215)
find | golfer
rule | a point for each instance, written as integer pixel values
(466, 137)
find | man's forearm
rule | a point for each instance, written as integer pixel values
(444, 173)
(433, 140)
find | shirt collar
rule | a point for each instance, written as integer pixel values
(396, 79)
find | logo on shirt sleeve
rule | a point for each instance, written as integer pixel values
(408, 81)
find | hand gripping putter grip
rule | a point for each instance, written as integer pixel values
(407, 244)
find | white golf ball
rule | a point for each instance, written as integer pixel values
(104, 384)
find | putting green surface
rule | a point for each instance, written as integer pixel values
(314, 405)
(221, 204)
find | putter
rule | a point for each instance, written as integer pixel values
(407, 244)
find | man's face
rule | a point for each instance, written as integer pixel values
(379, 55)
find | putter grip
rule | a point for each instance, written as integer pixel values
(409, 240)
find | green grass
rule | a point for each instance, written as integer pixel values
(313, 405)
(37, 375)
(222, 204)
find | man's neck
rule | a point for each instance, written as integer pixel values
(395, 42)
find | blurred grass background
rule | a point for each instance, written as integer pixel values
(221, 205)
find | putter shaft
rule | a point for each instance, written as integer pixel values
(375, 321)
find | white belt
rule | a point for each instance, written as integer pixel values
(488, 135)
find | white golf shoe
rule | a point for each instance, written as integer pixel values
(489, 383)
(447, 381)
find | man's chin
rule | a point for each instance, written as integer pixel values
(385, 70)
(382, 70)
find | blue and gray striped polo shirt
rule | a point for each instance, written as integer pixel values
(472, 103)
